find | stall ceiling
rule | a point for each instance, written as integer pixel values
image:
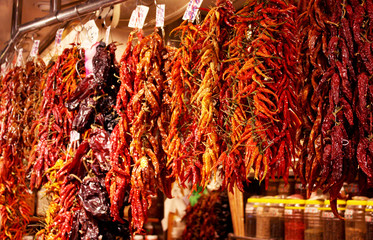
(33, 9)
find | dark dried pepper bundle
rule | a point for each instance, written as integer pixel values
(335, 139)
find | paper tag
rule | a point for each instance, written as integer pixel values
(288, 211)
(3, 68)
(92, 31)
(35, 48)
(328, 215)
(349, 213)
(138, 17)
(20, 57)
(74, 136)
(159, 20)
(107, 35)
(192, 10)
(368, 218)
(58, 36)
(311, 210)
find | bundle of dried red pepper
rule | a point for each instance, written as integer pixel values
(54, 123)
(258, 96)
(140, 104)
(336, 94)
(194, 141)
(80, 205)
(209, 218)
(19, 97)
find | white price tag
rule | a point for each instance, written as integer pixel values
(328, 215)
(92, 31)
(138, 17)
(74, 136)
(159, 20)
(35, 48)
(288, 211)
(20, 57)
(192, 10)
(349, 214)
(259, 210)
(58, 36)
(311, 210)
(107, 34)
(3, 68)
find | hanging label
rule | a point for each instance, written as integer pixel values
(92, 31)
(107, 34)
(74, 136)
(3, 68)
(138, 17)
(20, 57)
(159, 20)
(192, 10)
(59, 36)
(35, 48)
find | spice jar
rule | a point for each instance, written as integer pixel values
(312, 220)
(355, 227)
(333, 227)
(250, 218)
(263, 227)
(294, 225)
(369, 218)
(276, 218)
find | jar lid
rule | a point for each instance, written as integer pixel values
(356, 202)
(370, 202)
(151, 237)
(295, 201)
(339, 202)
(253, 199)
(313, 202)
(278, 200)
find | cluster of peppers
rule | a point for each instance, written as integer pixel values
(335, 140)
(20, 96)
(209, 218)
(246, 90)
(259, 97)
(80, 205)
(138, 157)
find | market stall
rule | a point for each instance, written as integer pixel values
(254, 116)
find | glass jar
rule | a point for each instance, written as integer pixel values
(276, 218)
(369, 218)
(263, 227)
(312, 220)
(355, 227)
(333, 227)
(294, 214)
(250, 217)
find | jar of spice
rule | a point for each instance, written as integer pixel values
(312, 220)
(369, 218)
(355, 226)
(250, 217)
(263, 227)
(276, 218)
(333, 227)
(294, 214)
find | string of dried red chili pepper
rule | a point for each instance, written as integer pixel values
(19, 98)
(335, 95)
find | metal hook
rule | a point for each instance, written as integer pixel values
(110, 10)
